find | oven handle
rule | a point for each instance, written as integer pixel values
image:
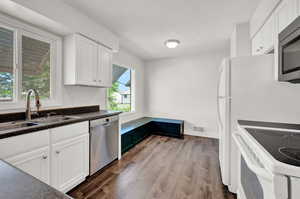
(251, 160)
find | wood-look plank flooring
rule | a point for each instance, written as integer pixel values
(160, 168)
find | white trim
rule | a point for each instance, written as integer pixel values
(21, 28)
(132, 90)
(202, 134)
(124, 114)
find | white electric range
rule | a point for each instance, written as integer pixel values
(269, 166)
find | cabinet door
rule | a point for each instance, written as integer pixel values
(104, 67)
(86, 61)
(257, 45)
(286, 13)
(268, 35)
(35, 163)
(70, 162)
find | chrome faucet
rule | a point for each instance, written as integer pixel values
(37, 103)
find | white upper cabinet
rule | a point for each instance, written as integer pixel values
(268, 33)
(104, 66)
(86, 62)
(257, 44)
(263, 41)
(286, 12)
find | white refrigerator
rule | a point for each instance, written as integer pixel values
(248, 90)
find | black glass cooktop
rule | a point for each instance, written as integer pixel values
(284, 146)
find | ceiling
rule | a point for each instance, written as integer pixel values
(144, 25)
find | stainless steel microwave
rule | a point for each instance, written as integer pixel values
(289, 53)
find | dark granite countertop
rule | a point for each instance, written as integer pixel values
(15, 184)
(79, 117)
(269, 124)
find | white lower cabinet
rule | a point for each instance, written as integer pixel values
(70, 162)
(58, 156)
(35, 163)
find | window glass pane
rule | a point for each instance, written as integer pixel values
(6, 64)
(35, 66)
(119, 95)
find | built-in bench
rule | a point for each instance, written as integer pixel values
(135, 131)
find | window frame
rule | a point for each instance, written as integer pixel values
(20, 29)
(132, 95)
(15, 76)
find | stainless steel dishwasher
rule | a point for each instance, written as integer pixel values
(104, 142)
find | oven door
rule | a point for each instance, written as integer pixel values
(256, 181)
(288, 54)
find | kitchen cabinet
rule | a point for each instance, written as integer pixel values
(58, 156)
(257, 44)
(35, 163)
(69, 155)
(268, 33)
(263, 41)
(70, 162)
(286, 12)
(86, 62)
(104, 68)
(32, 157)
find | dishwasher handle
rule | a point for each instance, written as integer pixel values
(106, 124)
(103, 122)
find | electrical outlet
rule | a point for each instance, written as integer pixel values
(198, 128)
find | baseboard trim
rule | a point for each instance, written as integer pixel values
(202, 134)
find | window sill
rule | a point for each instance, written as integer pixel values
(9, 107)
(127, 113)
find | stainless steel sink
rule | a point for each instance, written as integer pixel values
(52, 119)
(43, 120)
(16, 125)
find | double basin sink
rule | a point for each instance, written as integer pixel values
(35, 122)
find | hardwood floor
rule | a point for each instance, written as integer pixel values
(160, 168)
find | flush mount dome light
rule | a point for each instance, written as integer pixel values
(172, 43)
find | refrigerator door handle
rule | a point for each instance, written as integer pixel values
(218, 100)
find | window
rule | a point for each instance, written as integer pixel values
(6, 64)
(120, 95)
(29, 59)
(36, 66)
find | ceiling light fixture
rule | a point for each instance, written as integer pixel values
(172, 43)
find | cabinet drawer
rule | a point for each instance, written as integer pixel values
(69, 131)
(23, 143)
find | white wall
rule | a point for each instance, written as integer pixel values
(83, 96)
(45, 13)
(125, 58)
(185, 88)
(240, 43)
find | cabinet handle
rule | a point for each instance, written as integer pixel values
(45, 157)
(57, 152)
